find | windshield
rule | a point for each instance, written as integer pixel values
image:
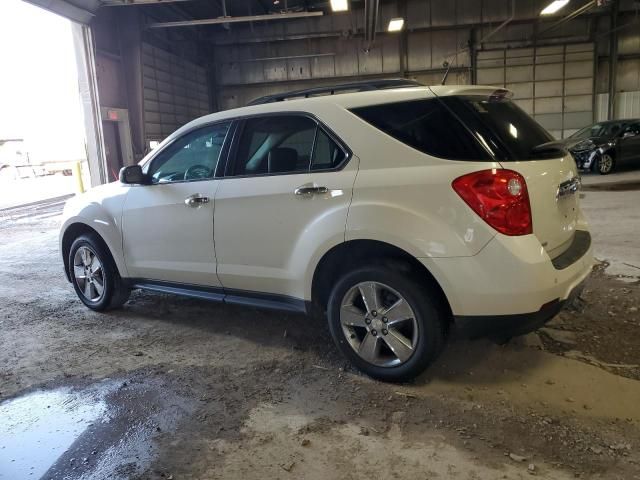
(598, 130)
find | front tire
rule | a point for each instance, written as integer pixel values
(389, 325)
(605, 163)
(94, 275)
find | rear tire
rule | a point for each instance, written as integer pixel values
(94, 275)
(378, 340)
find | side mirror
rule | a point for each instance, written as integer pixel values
(133, 174)
(628, 134)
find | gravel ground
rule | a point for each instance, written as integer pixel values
(202, 390)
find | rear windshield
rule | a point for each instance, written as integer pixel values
(461, 128)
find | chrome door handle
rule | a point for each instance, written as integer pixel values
(196, 200)
(310, 190)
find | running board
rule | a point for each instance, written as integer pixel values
(221, 295)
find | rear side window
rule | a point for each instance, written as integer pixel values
(501, 125)
(426, 125)
(326, 154)
(282, 144)
(275, 145)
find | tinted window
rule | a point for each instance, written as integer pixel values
(275, 144)
(598, 130)
(427, 126)
(302, 143)
(633, 128)
(192, 157)
(327, 154)
(500, 125)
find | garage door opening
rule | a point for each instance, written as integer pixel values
(41, 125)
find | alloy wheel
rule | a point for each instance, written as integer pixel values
(605, 165)
(88, 274)
(379, 324)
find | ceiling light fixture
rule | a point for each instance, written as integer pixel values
(395, 24)
(553, 7)
(339, 5)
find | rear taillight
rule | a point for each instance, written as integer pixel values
(499, 197)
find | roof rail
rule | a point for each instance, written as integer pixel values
(333, 89)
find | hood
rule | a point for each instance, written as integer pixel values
(585, 143)
(581, 145)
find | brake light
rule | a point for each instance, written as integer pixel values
(499, 197)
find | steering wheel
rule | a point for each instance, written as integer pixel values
(197, 171)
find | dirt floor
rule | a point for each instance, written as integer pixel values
(178, 388)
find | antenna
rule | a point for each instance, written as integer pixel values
(446, 65)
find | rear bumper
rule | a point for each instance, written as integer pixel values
(512, 280)
(512, 325)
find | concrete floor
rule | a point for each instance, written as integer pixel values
(30, 190)
(177, 388)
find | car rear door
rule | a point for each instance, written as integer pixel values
(286, 192)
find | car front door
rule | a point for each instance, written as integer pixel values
(286, 191)
(168, 225)
(629, 143)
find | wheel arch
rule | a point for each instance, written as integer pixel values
(354, 253)
(73, 231)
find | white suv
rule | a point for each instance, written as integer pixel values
(399, 212)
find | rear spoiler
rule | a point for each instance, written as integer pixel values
(489, 91)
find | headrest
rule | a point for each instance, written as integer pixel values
(282, 160)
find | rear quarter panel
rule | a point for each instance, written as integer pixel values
(404, 197)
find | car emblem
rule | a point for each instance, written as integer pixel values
(570, 187)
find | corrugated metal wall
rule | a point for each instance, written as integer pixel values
(552, 76)
(437, 31)
(175, 92)
(554, 83)
(627, 105)
(558, 87)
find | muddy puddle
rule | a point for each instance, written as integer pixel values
(105, 430)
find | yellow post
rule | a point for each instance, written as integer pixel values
(78, 176)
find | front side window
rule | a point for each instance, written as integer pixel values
(192, 157)
(634, 129)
